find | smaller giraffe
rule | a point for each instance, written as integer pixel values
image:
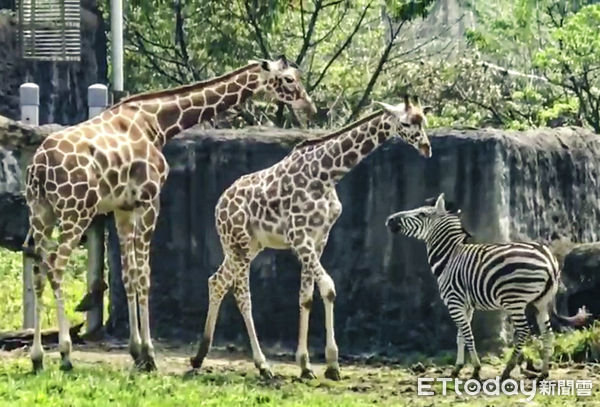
(293, 205)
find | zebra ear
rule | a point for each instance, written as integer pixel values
(440, 204)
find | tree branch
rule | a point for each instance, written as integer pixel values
(341, 48)
(382, 60)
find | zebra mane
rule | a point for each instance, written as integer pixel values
(452, 209)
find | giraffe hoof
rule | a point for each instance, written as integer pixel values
(455, 372)
(147, 365)
(266, 373)
(333, 373)
(196, 362)
(66, 365)
(38, 365)
(307, 374)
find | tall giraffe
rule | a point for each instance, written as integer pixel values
(293, 205)
(114, 162)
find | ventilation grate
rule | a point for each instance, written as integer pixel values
(49, 30)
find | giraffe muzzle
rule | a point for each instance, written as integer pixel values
(425, 150)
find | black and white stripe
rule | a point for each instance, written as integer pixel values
(509, 277)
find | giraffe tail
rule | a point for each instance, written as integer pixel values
(28, 246)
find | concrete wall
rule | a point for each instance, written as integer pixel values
(534, 185)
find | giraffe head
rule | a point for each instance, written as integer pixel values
(417, 222)
(281, 80)
(410, 121)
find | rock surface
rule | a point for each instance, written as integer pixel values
(63, 85)
(581, 279)
(538, 185)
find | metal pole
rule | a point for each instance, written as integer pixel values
(30, 109)
(116, 27)
(97, 102)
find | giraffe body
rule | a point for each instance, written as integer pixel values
(293, 205)
(114, 162)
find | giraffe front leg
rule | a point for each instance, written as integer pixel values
(306, 299)
(143, 236)
(241, 291)
(327, 291)
(218, 285)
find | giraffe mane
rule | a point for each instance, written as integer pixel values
(185, 88)
(318, 140)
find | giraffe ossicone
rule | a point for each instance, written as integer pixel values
(113, 163)
(293, 205)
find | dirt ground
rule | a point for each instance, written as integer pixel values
(391, 380)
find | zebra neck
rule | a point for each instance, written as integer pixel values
(442, 243)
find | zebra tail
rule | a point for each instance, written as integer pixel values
(580, 319)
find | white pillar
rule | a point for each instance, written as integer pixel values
(97, 99)
(30, 104)
(116, 28)
(30, 114)
(97, 102)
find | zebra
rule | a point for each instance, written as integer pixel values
(503, 276)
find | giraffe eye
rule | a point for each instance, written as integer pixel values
(288, 79)
(404, 124)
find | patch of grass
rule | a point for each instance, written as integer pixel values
(575, 346)
(11, 290)
(100, 385)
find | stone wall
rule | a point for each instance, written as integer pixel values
(509, 185)
(63, 85)
(538, 185)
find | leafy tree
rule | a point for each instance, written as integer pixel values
(344, 47)
(572, 61)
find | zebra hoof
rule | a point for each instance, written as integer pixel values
(456, 371)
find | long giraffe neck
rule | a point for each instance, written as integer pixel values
(162, 115)
(344, 149)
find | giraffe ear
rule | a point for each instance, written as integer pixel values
(440, 204)
(283, 61)
(264, 64)
(427, 109)
(406, 102)
(391, 109)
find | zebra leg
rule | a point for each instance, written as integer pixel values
(460, 355)
(519, 321)
(543, 321)
(462, 319)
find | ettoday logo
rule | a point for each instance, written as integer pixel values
(509, 387)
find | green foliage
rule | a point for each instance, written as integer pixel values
(572, 60)
(577, 346)
(11, 294)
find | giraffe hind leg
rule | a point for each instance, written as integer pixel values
(42, 222)
(70, 235)
(124, 222)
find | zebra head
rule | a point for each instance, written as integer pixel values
(417, 222)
